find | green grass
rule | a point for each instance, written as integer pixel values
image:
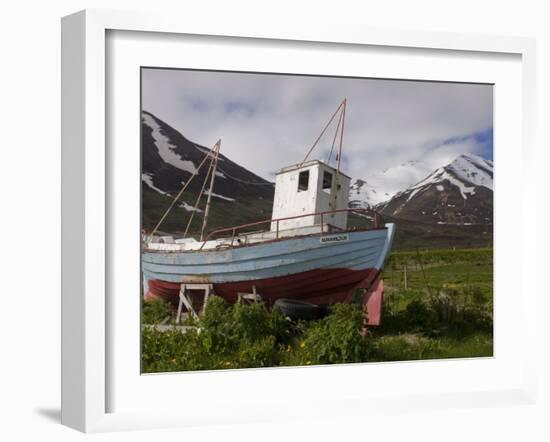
(445, 311)
(409, 347)
(441, 256)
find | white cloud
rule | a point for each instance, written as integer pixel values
(269, 121)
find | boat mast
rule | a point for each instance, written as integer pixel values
(176, 198)
(339, 155)
(207, 210)
(339, 131)
(195, 207)
(342, 104)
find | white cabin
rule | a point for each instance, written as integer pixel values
(310, 187)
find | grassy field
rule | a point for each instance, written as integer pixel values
(438, 304)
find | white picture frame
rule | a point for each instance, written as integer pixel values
(86, 351)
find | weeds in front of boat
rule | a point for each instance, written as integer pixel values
(224, 336)
(446, 311)
(155, 312)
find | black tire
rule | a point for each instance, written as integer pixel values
(294, 309)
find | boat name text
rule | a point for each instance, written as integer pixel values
(334, 238)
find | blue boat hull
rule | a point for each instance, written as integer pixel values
(318, 268)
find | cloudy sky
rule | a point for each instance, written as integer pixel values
(270, 121)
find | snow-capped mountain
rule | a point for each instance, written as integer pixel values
(362, 195)
(458, 193)
(383, 185)
(473, 169)
(169, 160)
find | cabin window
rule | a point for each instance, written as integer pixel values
(303, 180)
(327, 181)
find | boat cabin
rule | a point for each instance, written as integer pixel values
(310, 187)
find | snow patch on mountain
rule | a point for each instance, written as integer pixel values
(189, 208)
(147, 178)
(414, 192)
(165, 148)
(226, 198)
(206, 150)
(466, 172)
(473, 169)
(362, 195)
(438, 176)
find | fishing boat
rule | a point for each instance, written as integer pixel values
(305, 252)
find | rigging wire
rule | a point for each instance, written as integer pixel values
(173, 203)
(343, 103)
(252, 183)
(198, 199)
(334, 139)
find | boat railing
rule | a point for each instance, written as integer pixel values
(235, 230)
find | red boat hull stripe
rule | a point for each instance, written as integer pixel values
(322, 286)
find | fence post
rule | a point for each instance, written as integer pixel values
(405, 275)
